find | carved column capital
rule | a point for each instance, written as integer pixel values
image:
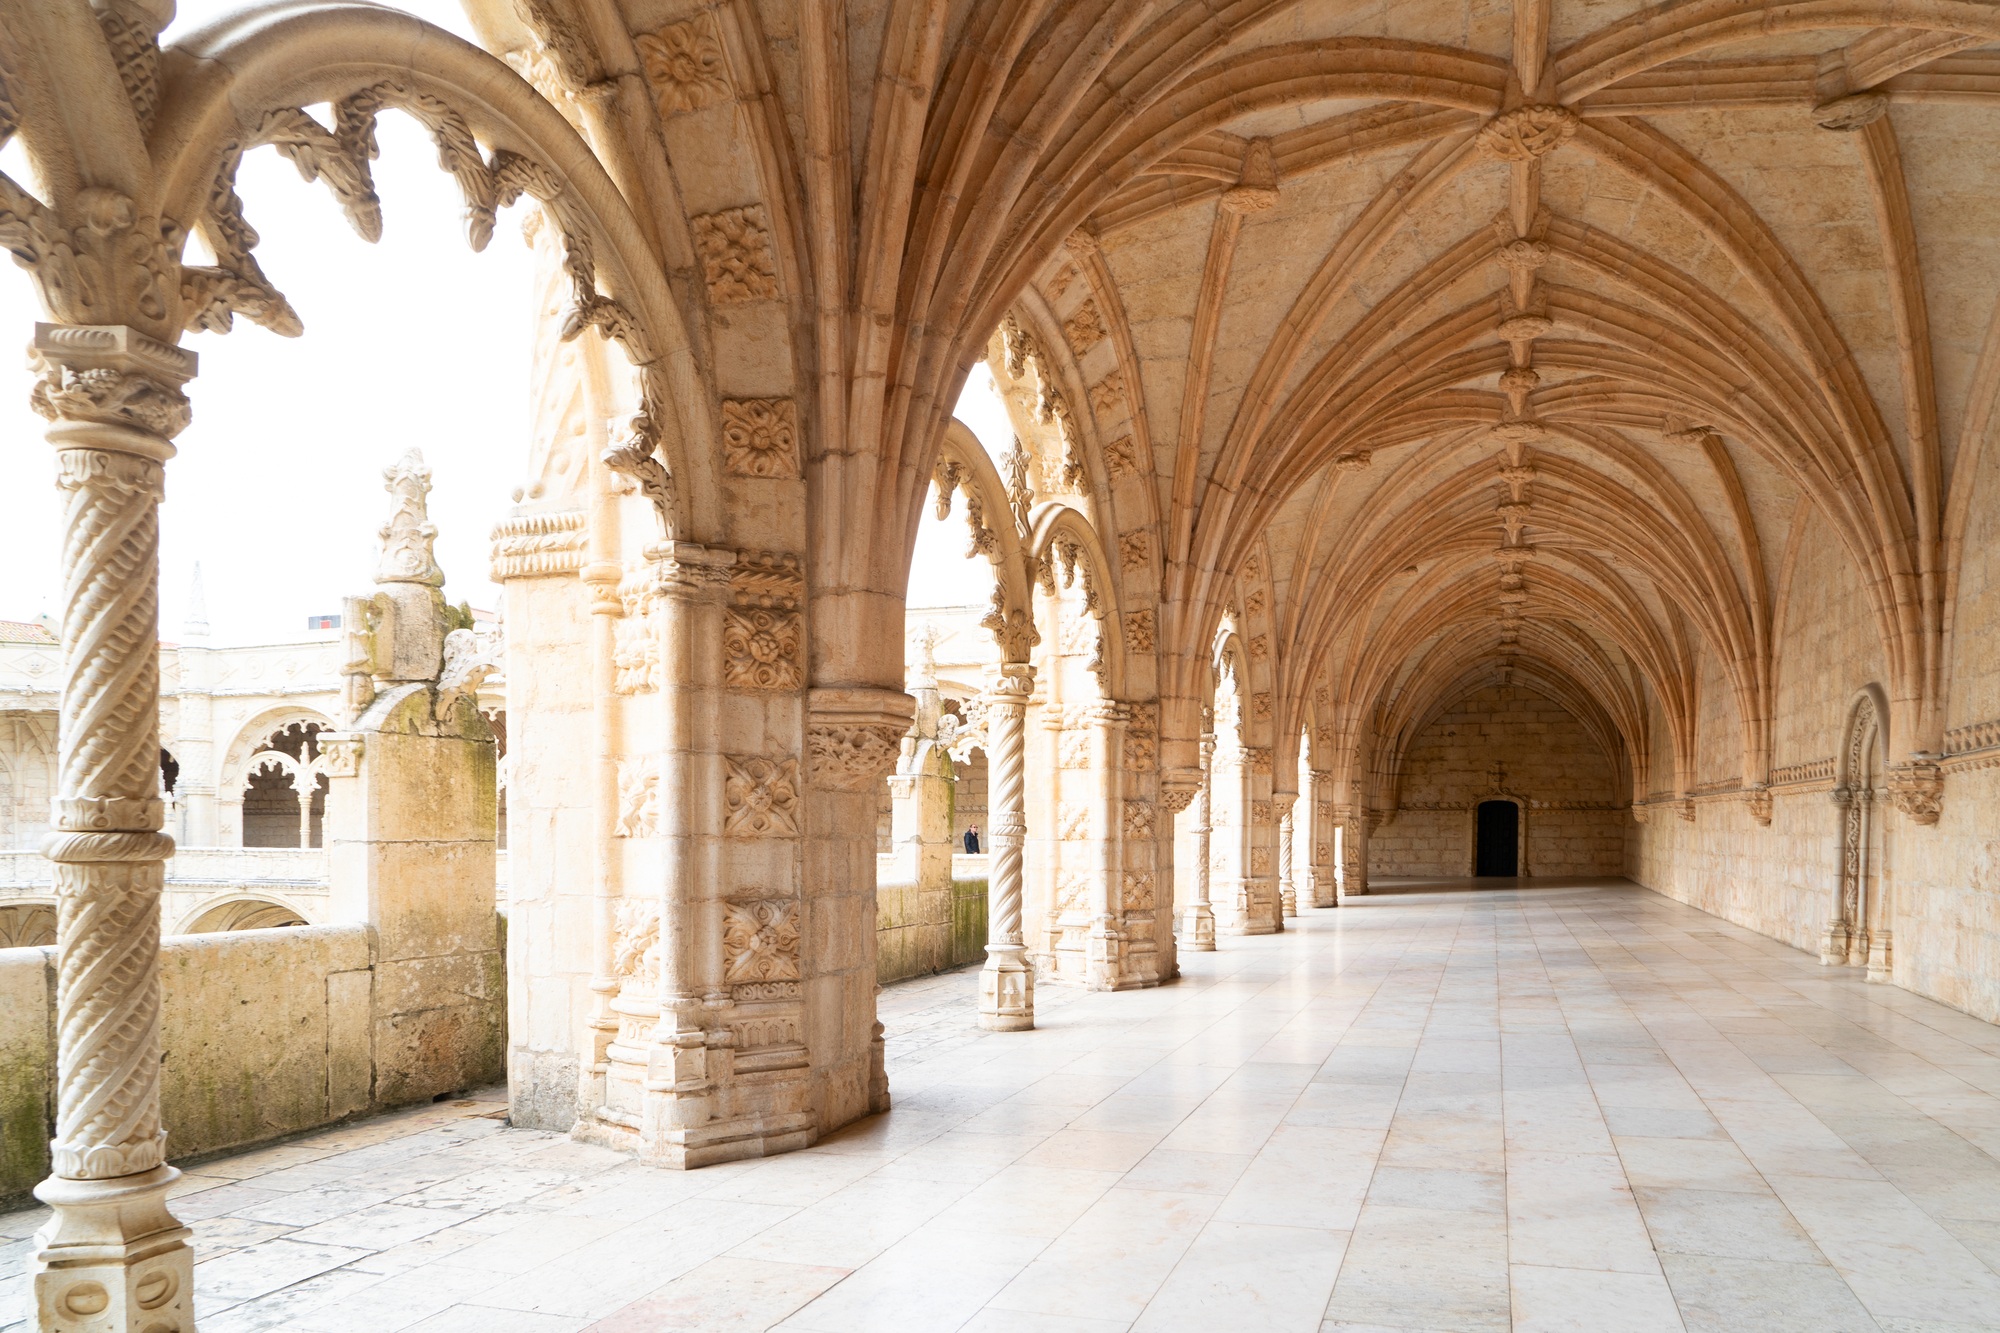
(1917, 788)
(854, 735)
(109, 386)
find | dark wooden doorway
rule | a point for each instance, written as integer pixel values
(1497, 851)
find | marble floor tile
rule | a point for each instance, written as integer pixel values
(1571, 1106)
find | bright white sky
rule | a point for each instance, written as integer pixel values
(416, 340)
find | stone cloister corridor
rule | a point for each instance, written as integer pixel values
(1372, 442)
(1571, 1106)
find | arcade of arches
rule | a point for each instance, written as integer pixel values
(1580, 406)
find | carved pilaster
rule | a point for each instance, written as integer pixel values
(112, 1257)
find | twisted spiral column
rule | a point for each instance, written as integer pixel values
(1006, 983)
(112, 1257)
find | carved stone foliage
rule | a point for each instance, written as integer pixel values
(850, 756)
(1013, 630)
(1260, 648)
(1759, 801)
(1260, 706)
(1142, 738)
(1260, 812)
(760, 942)
(1072, 821)
(1084, 329)
(1136, 892)
(1107, 396)
(1073, 749)
(635, 945)
(1072, 896)
(760, 437)
(761, 649)
(1139, 631)
(1918, 790)
(117, 376)
(1260, 860)
(1139, 820)
(760, 796)
(684, 65)
(1134, 549)
(737, 260)
(1121, 459)
(638, 798)
(635, 648)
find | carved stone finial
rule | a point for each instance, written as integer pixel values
(409, 536)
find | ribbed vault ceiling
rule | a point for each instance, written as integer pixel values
(1527, 343)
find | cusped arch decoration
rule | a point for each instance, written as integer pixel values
(1064, 547)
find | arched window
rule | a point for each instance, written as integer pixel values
(286, 764)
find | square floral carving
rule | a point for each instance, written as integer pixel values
(760, 942)
(760, 649)
(685, 66)
(1084, 329)
(737, 261)
(760, 437)
(760, 796)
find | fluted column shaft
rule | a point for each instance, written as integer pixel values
(112, 1257)
(1006, 984)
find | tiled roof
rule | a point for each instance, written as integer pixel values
(24, 631)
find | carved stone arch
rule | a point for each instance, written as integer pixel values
(1228, 674)
(1864, 737)
(1055, 527)
(241, 81)
(249, 739)
(242, 911)
(1859, 928)
(965, 469)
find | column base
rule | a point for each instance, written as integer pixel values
(1881, 951)
(1833, 944)
(1288, 902)
(113, 1259)
(1006, 990)
(1198, 929)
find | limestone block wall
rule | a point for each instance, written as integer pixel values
(264, 1033)
(1572, 824)
(1942, 881)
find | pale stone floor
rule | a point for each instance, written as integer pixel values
(1558, 1107)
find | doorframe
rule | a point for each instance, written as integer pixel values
(1471, 859)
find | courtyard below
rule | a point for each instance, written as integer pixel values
(1546, 1105)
